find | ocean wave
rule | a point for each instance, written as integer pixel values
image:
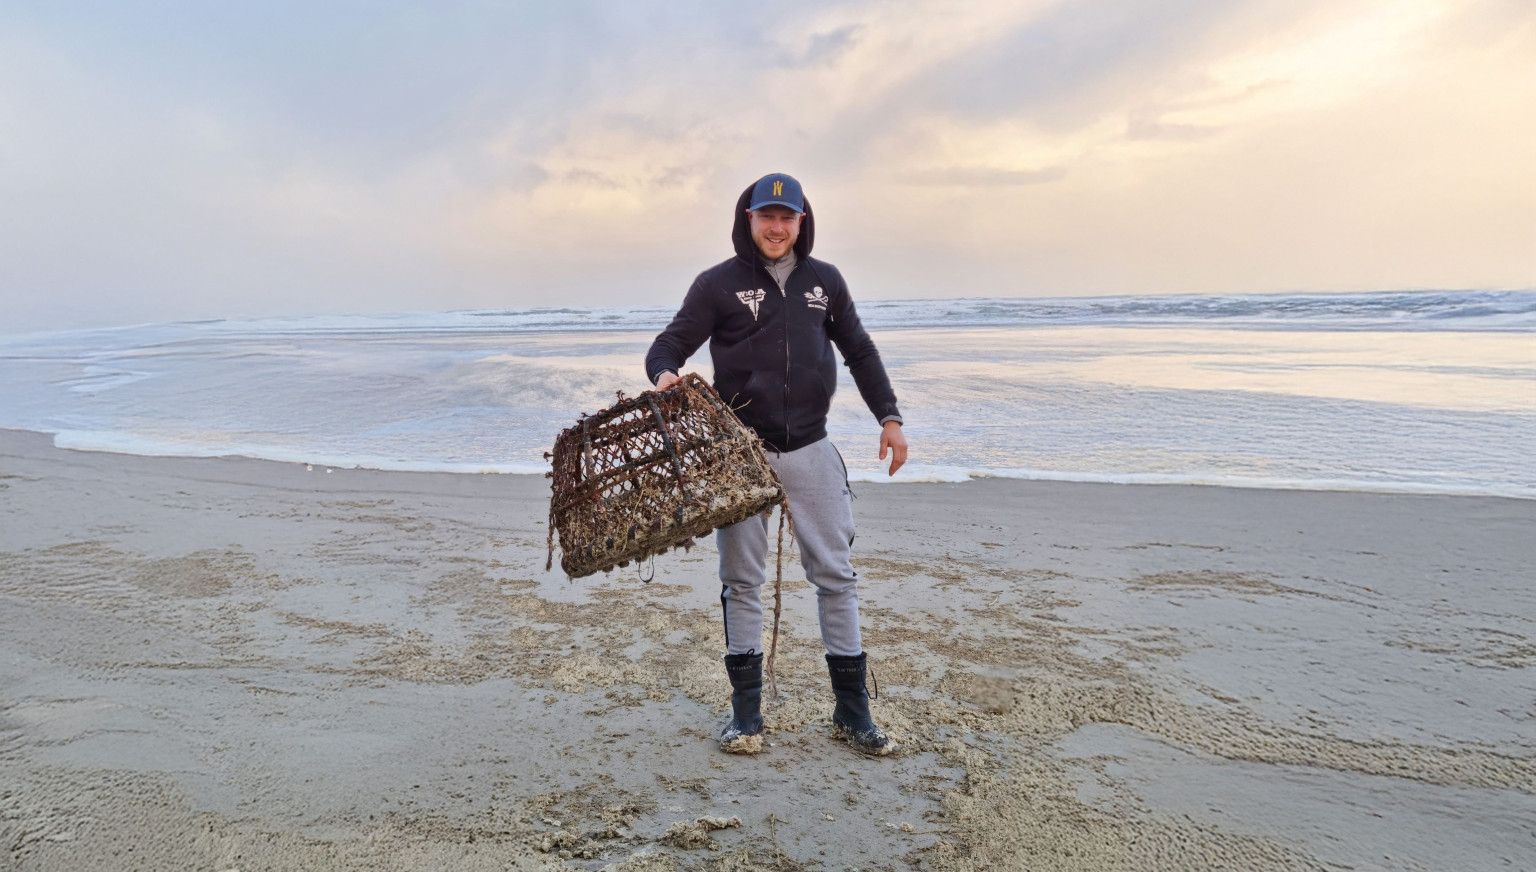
(125, 443)
(951, 474)
(1441, 413)
(1387, 310)
(152, 446)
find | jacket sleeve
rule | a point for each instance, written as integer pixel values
(690, 327)
(861, 356)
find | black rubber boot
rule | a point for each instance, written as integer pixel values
(744, 734)
(851, 716)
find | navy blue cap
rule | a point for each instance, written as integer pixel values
(777, 189)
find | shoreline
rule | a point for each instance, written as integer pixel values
(217, 663)
(947, 476)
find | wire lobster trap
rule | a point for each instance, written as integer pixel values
(649, 474)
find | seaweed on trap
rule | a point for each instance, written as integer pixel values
(650, 473)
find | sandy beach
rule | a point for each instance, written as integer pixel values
(225, 664)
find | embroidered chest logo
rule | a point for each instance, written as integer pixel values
(751, 299)
(816, 298)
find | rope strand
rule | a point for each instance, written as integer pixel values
(549, 557)
(785, 520)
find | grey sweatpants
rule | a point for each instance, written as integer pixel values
(816, 483)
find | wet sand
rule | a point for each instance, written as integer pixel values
(236, 664)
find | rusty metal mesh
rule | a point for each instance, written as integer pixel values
(651, 472)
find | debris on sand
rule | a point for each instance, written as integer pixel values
(742, 745)
(695, 833)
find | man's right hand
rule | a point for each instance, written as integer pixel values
(667, 380)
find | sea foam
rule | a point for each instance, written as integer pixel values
(1416, 392)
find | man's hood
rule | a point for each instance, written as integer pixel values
(741, 230)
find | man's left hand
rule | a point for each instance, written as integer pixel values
(894, 441)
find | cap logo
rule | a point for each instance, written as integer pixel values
(778, 187)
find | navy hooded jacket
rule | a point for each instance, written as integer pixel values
(772, 349)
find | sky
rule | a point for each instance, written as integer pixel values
(166, 161)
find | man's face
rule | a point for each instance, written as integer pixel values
(774, 230)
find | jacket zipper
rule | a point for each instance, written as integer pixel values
(784, 295)
(784, 324)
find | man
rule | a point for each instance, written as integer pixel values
(772, 314)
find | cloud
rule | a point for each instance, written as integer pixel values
(984, 176)
(1147, 125)
(215, 160)
(824, 48)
